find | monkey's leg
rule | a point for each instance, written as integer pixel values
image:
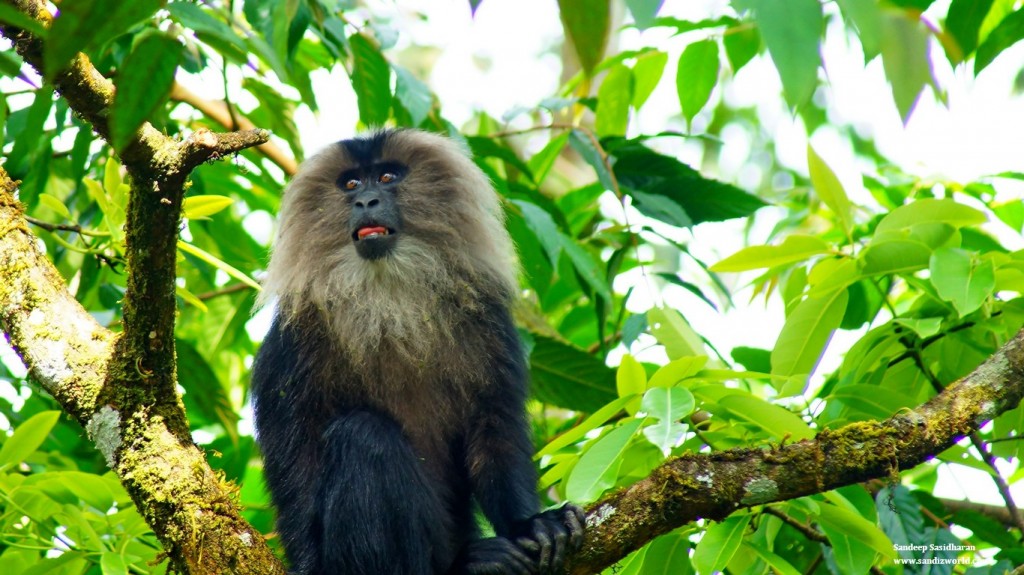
(381, 514)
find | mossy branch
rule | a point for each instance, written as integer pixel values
(713, 485)
(122, 388)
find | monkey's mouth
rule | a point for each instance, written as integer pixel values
(369, 232)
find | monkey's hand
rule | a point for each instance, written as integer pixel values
(493, 556)
(550, 535)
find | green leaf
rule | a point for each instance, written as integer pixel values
(719, 544)
(371, 80)
(805, 336)
(667, 406)
(905, 59)
(56, 205)
(931, 210)
(13, 16)
(593, 155)
(413, 94)
(836, 520)
(88, 23)
(142, 84)
(640, 169)
(830, 190)
(200, 206)
(795, 248)
(27, 438)
(778, 421)
(598, 468)
(578, 433)
(613, 100)
(587, 24)
(668, 403)
(218, 263)
(666, 555)
(630, 380)
(961, 280)
(647, 73)
(1006, 34)
(866, 17)
(568, 377)
(791, 29)
(963, 21)
(672, 331)
(753, 358)
(741, 43)
(873, 401)
(675, 371)
(208, 28)
(113, 564)
(555, 243)
(894, 256)
(899, 515)
(644, 11)
(204, 395)
(775, 562)
(696, 76)
(542, 162)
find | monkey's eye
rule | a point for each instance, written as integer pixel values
(352, 184)
(387, 177)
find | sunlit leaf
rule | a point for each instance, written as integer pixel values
(673, 331)
(1006, 34)
(805, 335)
(719, 544)
(587, 24)
(143, 84)
(792, 30)
(598, 467)
(630, 380)
(204, 205)
(964, 22)
(646, 74)
(931, 210)
(778, 421)
(960, 279)
(218, 263)
(696, 76)
(830, 189)
(613, 100)
(905, 59)
(795, 248)
(371, 80)
(27, 438)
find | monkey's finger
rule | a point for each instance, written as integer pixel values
(544, 540)
(575, 520)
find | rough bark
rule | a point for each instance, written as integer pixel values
(711, 486)
(121, 387)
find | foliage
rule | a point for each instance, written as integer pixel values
(920, 272)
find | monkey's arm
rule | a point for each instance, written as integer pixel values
(289, 456)
(500, 453)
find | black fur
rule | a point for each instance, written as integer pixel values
(354, 495)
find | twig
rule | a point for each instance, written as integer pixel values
(222, 114)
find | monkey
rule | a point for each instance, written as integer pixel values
(389, 394)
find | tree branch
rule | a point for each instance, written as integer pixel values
(123, 388)
(711, 486)
(220, 113)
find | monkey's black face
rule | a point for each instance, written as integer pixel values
(376, 220)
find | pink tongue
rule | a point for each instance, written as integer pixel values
(363, 232)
